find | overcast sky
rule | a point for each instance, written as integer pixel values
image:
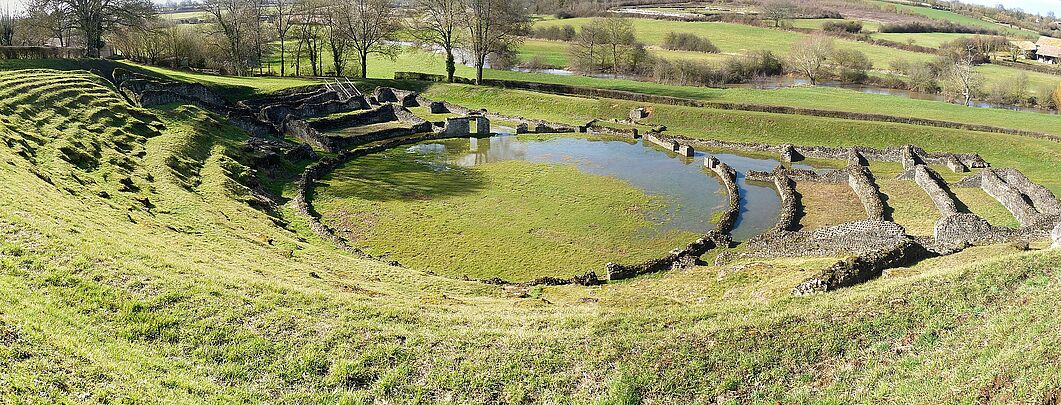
(1035, 6)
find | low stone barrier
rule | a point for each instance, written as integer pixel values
(936, 190)
(1041, 198)
(788, 217)
(198, 93)
(1009, 197)
(678, 258)
(729, 182)
(862, 183)
(862, 268)
(835, 153)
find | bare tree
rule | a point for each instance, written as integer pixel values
(282, 18)
(778, 11)
(94, 18)
(961, 81)
(809, 55)
(438, 25)
(369, 24)
(7, 27)
(494, 26)
(51, 16)
(338, 40)
(232, 20)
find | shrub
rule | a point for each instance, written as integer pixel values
(852, 27)
(555, 33)
(935, 26)
(688, 42)
(851, 64)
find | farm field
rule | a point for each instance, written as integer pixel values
(944, 15)
(741, 39)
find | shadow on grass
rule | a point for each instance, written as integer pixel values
(393, 177)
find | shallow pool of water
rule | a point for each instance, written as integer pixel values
(692, 194)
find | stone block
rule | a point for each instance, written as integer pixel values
(711, 162)
(1056, 236)
(638, 113)
(686, 150)
(437, 107)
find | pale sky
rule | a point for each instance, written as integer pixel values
(1034, 6)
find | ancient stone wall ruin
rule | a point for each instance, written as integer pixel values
(936, 189)
(861, 181)
(728, 177)
(862, 268)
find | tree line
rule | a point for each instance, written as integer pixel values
(241, 37)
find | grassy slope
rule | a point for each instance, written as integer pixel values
(944, 15)
(739, 38)
(929, 39)
(492, 220)
(1039, 159)
(203, 299)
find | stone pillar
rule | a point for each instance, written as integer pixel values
(955, 165)
(686, 150)
(473, 144)
(1056, 236)
(482, 125)
(522, 128)
(711, 162)
(908, 158)
(789, 154)
(457, 126)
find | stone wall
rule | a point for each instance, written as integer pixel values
(969, 229)
(729, 182)
(194, 92)
(936, 189)
(1041, 198)
(1055, 234)
(862, 183)
(862, 268)
(381, 114)
(1009, 196)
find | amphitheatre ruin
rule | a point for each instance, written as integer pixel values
(348, 124)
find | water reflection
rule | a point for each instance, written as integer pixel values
(690, 191)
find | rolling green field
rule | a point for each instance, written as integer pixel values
(498, 219)
(134, 268)
(944, 15)
(742, 39)
(929, 39)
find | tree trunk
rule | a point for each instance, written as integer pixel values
(364, 64)
(282, 64)
(451, 65)
(479, 70)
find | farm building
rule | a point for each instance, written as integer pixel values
(1048, 50)
(1027, 48)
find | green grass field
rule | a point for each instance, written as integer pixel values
(133, 268)
(742, 39)
(928, 39)
(944, 15)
